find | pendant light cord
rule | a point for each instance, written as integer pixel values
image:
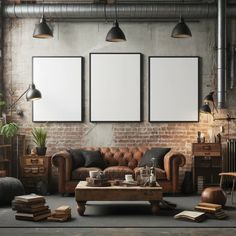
(105, 12)
(116, 10)
(43, 10)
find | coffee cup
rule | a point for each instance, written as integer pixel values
(93, 173)
(128, 178)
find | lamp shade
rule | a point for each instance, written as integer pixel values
(115, 34)
(181, 30)
(42, 30)
(209, 97)
(205, 109)
(33, 93)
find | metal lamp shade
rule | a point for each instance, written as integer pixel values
(42, 30)
(115, 34)
(205, 109)
(181, 30)
(33, 93)
(209, 97)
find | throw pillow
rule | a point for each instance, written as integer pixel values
(77, 158)
(158, 154)
(93, 159)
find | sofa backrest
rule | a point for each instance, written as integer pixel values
(126, 156)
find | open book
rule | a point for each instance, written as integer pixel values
(191, 215)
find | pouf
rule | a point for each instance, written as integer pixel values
(214, 195)
(9, 188)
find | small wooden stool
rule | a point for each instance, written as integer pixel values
(233, 175)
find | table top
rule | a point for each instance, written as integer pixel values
(83, 185)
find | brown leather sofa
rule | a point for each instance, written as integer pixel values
(120, 161)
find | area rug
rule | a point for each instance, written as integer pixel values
(121, 214)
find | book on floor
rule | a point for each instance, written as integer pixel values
(210, 205)
(30, 210)
(211, 210)
(191, 215)
(62, 213)
(32, 198)
(32, 214)
(31, 205)
(34, 218)
(63, 209)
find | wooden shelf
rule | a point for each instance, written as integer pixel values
(6, 158)
(5, 145)
(5, 161)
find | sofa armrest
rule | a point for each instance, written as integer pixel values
(172, 162)
(62, 160)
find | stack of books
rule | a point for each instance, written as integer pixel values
(30, 207)
(62, 213)
(212, 210)
(191, 215)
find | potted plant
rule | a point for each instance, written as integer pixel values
(39, 138)
(9, 129)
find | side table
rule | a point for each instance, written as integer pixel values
(36, 173)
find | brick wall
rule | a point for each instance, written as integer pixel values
(19, 47)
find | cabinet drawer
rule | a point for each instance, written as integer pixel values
(206, 149)
(202, 163)
(34, 161)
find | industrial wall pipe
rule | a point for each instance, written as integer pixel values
(221, 53)
(126, 12)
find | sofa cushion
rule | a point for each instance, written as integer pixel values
(158, 154)
(132, 164)
(93, 159)
(83, 172)
(117, 172)
(160, 174)
(77, 158)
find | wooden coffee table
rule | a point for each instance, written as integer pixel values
(84, 193)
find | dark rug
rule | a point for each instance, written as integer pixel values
(122, 214)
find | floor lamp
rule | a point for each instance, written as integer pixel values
(32, 94)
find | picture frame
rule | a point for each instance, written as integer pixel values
(115, 87)
(59, 79)
(173, 89)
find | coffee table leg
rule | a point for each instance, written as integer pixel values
(155, 207)
(81, 208)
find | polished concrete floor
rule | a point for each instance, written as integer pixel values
(116, 232)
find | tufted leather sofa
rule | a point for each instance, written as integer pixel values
(120, 161)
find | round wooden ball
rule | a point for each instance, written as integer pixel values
(214, 195)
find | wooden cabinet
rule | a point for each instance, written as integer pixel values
(36, 173)
(207, 164)
(5, 160)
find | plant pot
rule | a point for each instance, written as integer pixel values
(41, 151)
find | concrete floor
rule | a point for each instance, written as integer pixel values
(116, 232)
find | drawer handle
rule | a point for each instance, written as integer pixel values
(206, 148)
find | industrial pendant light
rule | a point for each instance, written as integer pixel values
(115, 34)
(181, 30)
(42, 30)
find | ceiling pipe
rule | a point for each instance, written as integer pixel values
(221, 54)
(126, 12)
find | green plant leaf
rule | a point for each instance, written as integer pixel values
(9, 129)
(39, 136)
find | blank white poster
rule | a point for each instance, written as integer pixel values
(59, 79)
(173, 89)
(115, 87)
